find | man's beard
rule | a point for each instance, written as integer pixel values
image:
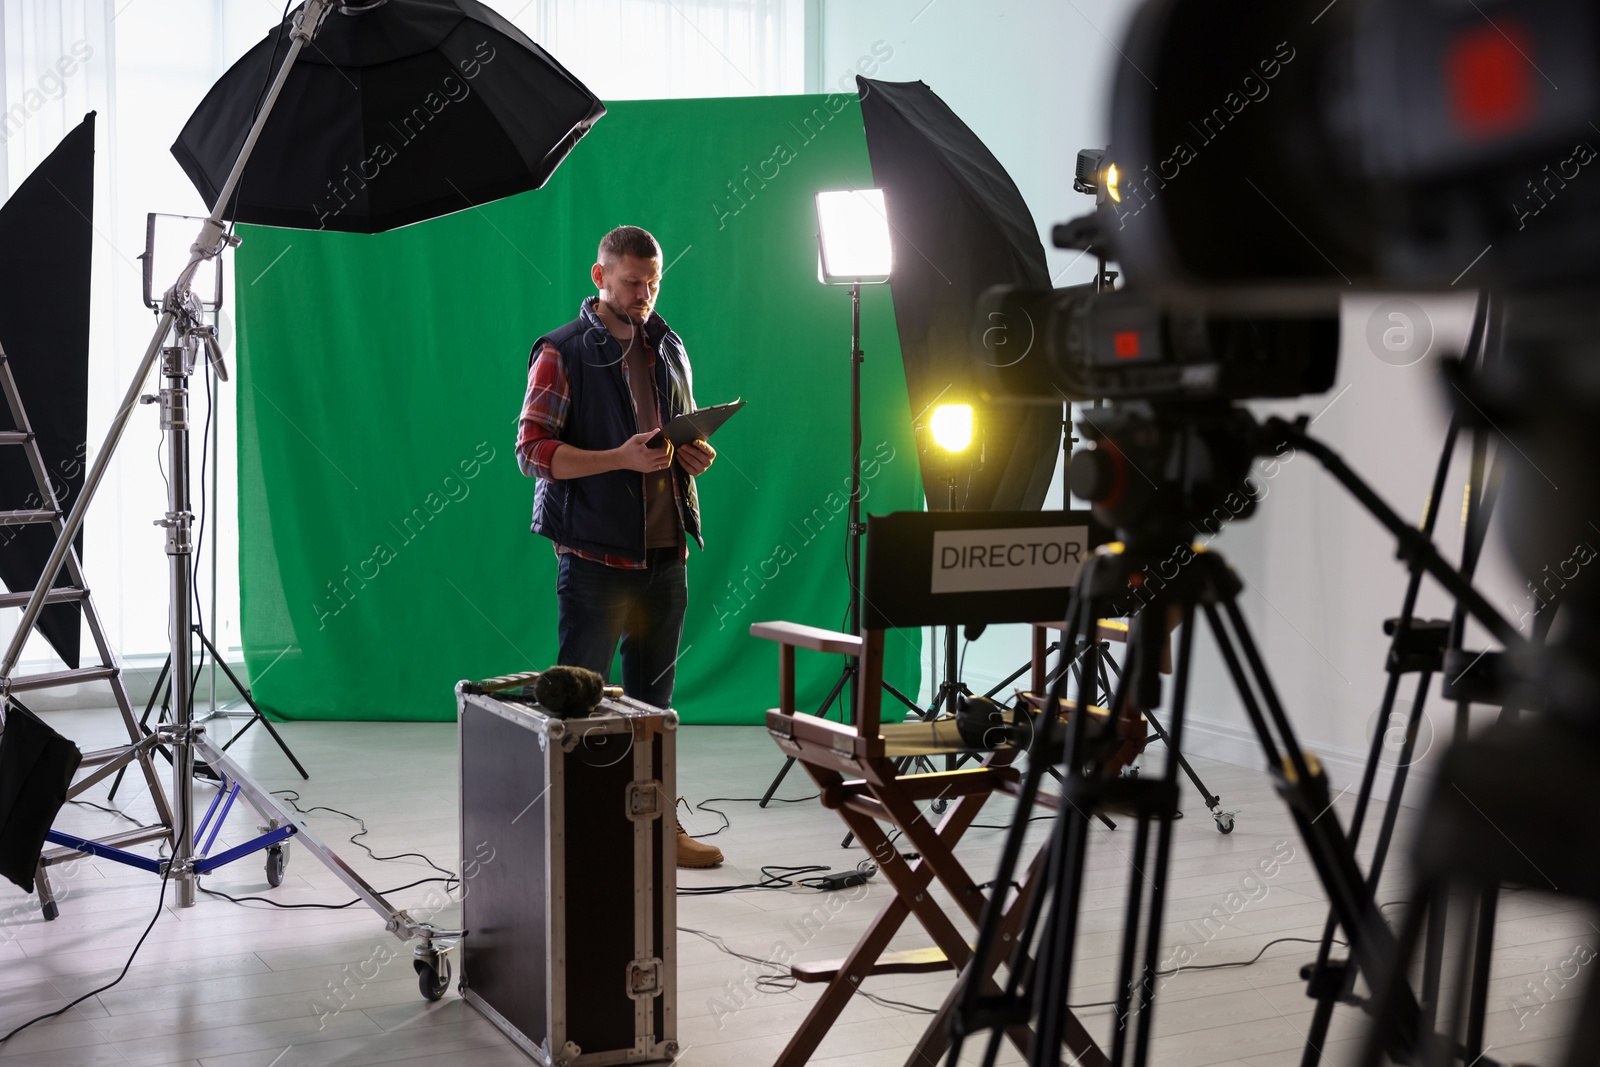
(625, 315)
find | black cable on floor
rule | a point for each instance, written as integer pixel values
(161, 903)
(325, 907)
(784, 981)
(294, 798)
(109, 811)
(1215, 966)
(773, 876)
(727, 822)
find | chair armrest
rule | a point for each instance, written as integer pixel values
(810, 637)
(1105, 629)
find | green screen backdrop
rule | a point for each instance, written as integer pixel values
(384, 543)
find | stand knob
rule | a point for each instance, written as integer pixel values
(1094, 474)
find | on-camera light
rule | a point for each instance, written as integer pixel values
(951, 427)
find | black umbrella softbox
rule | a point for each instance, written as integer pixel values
(403, 112)
(960, 226)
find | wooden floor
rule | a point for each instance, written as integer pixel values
(226, 985)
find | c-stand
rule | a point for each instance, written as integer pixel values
(1215, 446)
(1424, 647)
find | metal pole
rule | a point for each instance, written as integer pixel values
(207, 245)
(212, 395)
(177, 361)
(951, 699)
(855, 530)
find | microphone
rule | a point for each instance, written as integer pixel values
(571, 692)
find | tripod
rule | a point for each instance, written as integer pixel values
(1214, 442)
(1205, 585)
(1424, 647)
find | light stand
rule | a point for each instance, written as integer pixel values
(853, 249)
(161, 247)
(179, 311)
(951, 447)
(182, 319)
(855, 528)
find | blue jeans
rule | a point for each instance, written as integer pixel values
(597, 605)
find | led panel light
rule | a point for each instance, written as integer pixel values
(167, 239)
(951, 427)
(853, 237)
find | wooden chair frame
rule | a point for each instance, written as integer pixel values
(858, 780)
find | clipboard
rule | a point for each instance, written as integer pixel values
(695, 425)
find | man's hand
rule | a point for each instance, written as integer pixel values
(635, 455)
(696, 456)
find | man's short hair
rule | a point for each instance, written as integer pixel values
(628, 241)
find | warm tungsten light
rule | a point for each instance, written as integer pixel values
(1112, 178)
(951, 427)
(853, 235)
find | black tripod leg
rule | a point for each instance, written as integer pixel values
(1104, 821)
(822, 709)
(1019, 672)
(1390, 982)
(970, 1015)
(256, 714)
(1054, 961)
(776, 782)
(1371, 942)
(1433, 961)
(1152, 636)
(144, 721)
(1126, 982)
(1210, 798)
(1482, 955)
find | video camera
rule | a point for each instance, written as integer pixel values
(1296, 151)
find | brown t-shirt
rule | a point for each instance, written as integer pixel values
(662, 528)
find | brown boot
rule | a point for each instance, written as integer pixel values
(692, 853)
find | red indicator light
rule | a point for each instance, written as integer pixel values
(1489, 76)
(1126, 344)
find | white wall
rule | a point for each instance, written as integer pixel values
(1031, 78)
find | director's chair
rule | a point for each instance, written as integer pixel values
(854, 768)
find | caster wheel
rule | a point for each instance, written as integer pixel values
(1224, 824)
(940, 806)
(276, 862)
(430, 981)
(51, 910)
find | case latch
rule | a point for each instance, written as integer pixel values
(644, 979)
(644, 799)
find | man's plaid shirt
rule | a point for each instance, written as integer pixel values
(544, 415)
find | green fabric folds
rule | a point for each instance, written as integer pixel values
(384, 543)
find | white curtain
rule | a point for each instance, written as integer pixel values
(640, 49)
(142, 66)
(59, 64)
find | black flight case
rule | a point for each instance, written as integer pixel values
(568, 861)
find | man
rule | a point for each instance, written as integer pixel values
(619, 512)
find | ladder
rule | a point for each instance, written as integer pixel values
(103, 762)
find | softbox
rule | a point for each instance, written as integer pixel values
(46, 238)
(398, 112)
(959, 226)
(36, 769)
